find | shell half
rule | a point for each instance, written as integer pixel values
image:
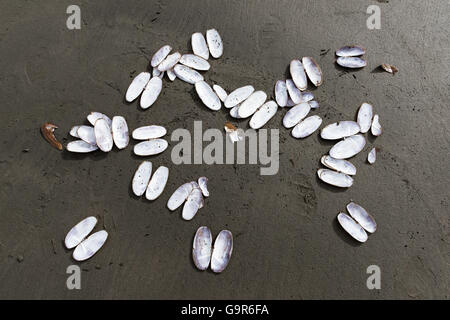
(298, 75)
(263, 115)
(120, 133)
(215, 43)
(361, 216)
(151, 147)
(223, 248)
(364, 118)
(149, 132)
(80, 231)
(141, 178)
(238, 95)
(313, 70)
(339, 165)
(157, 183)
(337, 179)
(201, 248)
(103, 135)
(339, 130)
(90, 246)
(348, 147)
(208, 96)
(187, 74)
(296, 114)
(306, 127)
(352, 228)
(137, 86)
(252, 103)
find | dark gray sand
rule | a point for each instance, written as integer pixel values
(287, 241)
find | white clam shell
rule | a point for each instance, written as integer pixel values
(157, 183)
(372, 156)
(223, 247)
(90, 246)
(352, 228)
(171, 74)
(202, 248)
(313, 70)
(339, 130)
(350, 51)
(234, 112)
(151, 147)
(306, 127)
(94, 116)
(195, 62)
(199, 46)
(215, 43)
(364, 118)
(298, 75)
(296, 114)
(281, 94)
(151, 92)
(137, 86)
(187, 74)
(221, 93)
(351, 62)
(314, 104)
(169, 61)
(141, 178)
(361, 216)
(86, 133)
(80, 146)
(119, 128)
(238, 96)
(252, 103)
(103, 135)
(339, 165)
(263, 115)
(337, 179)
(208, 96)
(203, 185)
(376, 126)
(160, 55)
(179, 196)
(348, 147)
(79, 232)
(294, 93)
(193, 203)
(149, 132)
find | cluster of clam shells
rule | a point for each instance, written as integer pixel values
(358, 222)
(152, 144)
(85, 247)
(144, 182)
(103, 134)
(191, 194)
(204, 254)
(350, 57)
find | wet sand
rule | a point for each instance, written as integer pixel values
(287, 241)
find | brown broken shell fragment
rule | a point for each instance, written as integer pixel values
(47, 130)
(229, 127)
(389, 68)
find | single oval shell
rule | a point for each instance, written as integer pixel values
(87, 134)
(372, 156)
(90, 246)
(157, 183)
(201, 248)
(103, 135)
(348, 147)
(94, 116)
(199, 46)
(281, 94)
(350, 51)
(79, 232)
(169, 61)
(252, 103)
(389, 68)
(141, 178)
(171, 74)
(238, 95)
(193, 203)
(80, 146)
(149, 132)
(203, 185)
(306, 127)
(151, 92)
(294, 93)
(312, 70)
(296, 114)
(351, 62)
(339, 130)
(208, 96)
(376, 126)
(298, 75)
(364, 117)
(194, 62)
(120, 133)
(223, 247)
(160, 55)
(221, 93)
(339, 165)
(337, 179)
(187, 74)
(137, 86)
(179, 196)
(352, 228)
(215, 43)
(313, 104)
(151, 147)
(263, 115)
(362, 217)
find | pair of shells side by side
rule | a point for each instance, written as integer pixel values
(187, 74)
(195, 62)
(238, 96)
(221, 93)
(281, 94)
(252, 103)
(339, 165)
(313, 70)
(339, 130)
(203, 254)
(144, 182)
(365, 115)
(191, 194)
(215, 43)
(263, 115)
(362, 217)
(372, 156)
(169, 62)
(149, 132)
(296, 114)
(151, 92)
(47, 131)
(150, 147)
(306, 127)
(352, 227)
(208, 96)
(337, 179)
(137, 86)
(298, 75)
(375, 128)
(160, 55)
(348, 147)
